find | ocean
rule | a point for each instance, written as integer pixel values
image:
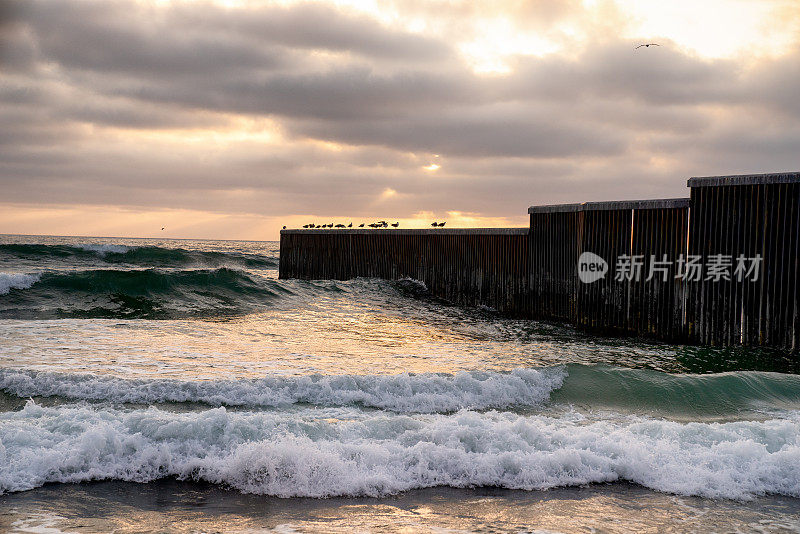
(180, 386)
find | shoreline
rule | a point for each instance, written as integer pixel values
(181, 506)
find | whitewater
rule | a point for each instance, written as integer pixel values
(189, 368)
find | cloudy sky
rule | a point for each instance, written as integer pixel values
(229, 119)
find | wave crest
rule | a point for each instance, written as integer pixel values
(147, 256)
(9, 281)
(137, 294)
(341, 452)
(421, 393)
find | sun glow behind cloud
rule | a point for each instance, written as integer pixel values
(346, 99)
(489, 37)
(747, 27)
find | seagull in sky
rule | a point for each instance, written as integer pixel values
(646, 45)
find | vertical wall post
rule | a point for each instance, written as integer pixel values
(746, 216)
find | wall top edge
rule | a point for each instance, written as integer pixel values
(745, 179)
(409, 231)
(556, 208)
(655, 203)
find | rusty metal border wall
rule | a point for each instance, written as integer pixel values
(648, 228)
(465, 266)
(533, 272)
(747, 216)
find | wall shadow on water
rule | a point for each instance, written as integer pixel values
(719, 360)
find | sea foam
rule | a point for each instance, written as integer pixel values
(9, 281)
(349, 452)
(419, 393)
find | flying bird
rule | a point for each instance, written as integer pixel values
(647, 45)
(162, 228)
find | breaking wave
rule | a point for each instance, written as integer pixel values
(142, 256)
(420, 393)
(9, 281)
(134, 294)
(347, 452)
(595, 387)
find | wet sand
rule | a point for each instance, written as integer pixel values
(175, 506)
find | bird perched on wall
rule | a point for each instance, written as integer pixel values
(441, 224)
(361, 225)
(647, 45)
(330, 225)
(340, 226)
(284, 228)
(350, 225)
(434, 224)
(395, 225)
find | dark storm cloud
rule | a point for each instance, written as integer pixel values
(739, 144)
(124, 37)
(776, 84)
(605, 122)
(203, 39)
(315, 26)
(484, 134)
(345, 93)
(246, 61)
(16, 46)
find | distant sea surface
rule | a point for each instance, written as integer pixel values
(178, 385)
